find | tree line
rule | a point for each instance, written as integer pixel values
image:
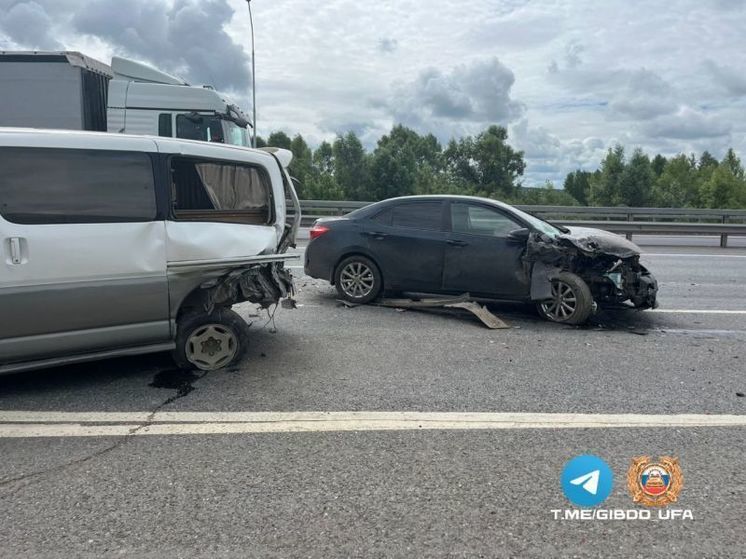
(405, 162)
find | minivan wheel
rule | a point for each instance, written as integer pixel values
(571, 303)
(210, 341)
(358, 279)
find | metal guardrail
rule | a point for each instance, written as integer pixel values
(627, 221)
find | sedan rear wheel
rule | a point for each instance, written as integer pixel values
(571, 302)
(358, 279)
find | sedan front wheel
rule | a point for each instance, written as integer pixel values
(571, 302)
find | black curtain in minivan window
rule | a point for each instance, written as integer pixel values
(47, 185)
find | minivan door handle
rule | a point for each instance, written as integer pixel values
(15, 250)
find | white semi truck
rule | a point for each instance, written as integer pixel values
(69, 90)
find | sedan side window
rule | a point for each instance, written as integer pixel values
(478, 220)
(418, 215)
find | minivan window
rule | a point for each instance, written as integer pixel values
(52, 185)
(220, 191)
(418, 215)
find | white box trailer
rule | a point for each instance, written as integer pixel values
(69, 90)
(65, 90)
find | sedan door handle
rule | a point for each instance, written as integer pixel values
(456, 243)
(377, 235)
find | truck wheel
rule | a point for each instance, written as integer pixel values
(358, 279)
(571, 303)
(210, 341)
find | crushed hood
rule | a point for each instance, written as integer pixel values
(593, 242)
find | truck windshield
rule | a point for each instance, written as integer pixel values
(236, 135)
(207, 128)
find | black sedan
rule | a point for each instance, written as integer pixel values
(462, 244)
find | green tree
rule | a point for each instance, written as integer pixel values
(578, 185)
(733, 164)
(393, 171)
(485, 163)
(301, 167)
(677, 187)
(658, 164)
(724, 189)
(279, 140)
(323, 158)
(636, 184)
(261, 142)
(707, 161)
(606, 186)
(351, 167)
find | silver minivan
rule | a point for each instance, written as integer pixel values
(119, 245)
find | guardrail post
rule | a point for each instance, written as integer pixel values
(724, 237)
(629, 235)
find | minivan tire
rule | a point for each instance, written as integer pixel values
(210, 341)
(358, 279)
(572, 302)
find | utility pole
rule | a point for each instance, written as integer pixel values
(253, 78)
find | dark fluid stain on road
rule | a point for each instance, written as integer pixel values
(175, 379)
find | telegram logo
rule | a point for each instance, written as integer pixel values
(587, 480)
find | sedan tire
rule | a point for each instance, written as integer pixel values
(571, 303)
(358, 279)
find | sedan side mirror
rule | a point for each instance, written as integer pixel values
(519, 235)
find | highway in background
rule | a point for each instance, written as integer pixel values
(403, 493)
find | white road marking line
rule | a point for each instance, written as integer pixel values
(17, 424)
(694, 311)
(694, 255)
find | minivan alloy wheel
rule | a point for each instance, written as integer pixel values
(211, 346)
(564, 302)
(357, 279)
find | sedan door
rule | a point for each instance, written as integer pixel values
(408, 242)
(479, 256)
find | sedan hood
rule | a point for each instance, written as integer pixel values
(592, 242)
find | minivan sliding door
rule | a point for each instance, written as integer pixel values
(83, 252)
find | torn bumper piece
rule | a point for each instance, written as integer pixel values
(263, 284)
(463, 302)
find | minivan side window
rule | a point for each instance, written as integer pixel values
(210, 190)
(418, 215)
(54, 185)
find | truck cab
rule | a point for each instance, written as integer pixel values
(143, 100)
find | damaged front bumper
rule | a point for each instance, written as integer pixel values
(609, 264)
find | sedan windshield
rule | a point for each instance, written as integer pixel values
(538, 224)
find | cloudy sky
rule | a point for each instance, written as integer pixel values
(567, 77)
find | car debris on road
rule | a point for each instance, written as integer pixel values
(463, 302)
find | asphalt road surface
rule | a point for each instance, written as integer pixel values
(449, 438)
